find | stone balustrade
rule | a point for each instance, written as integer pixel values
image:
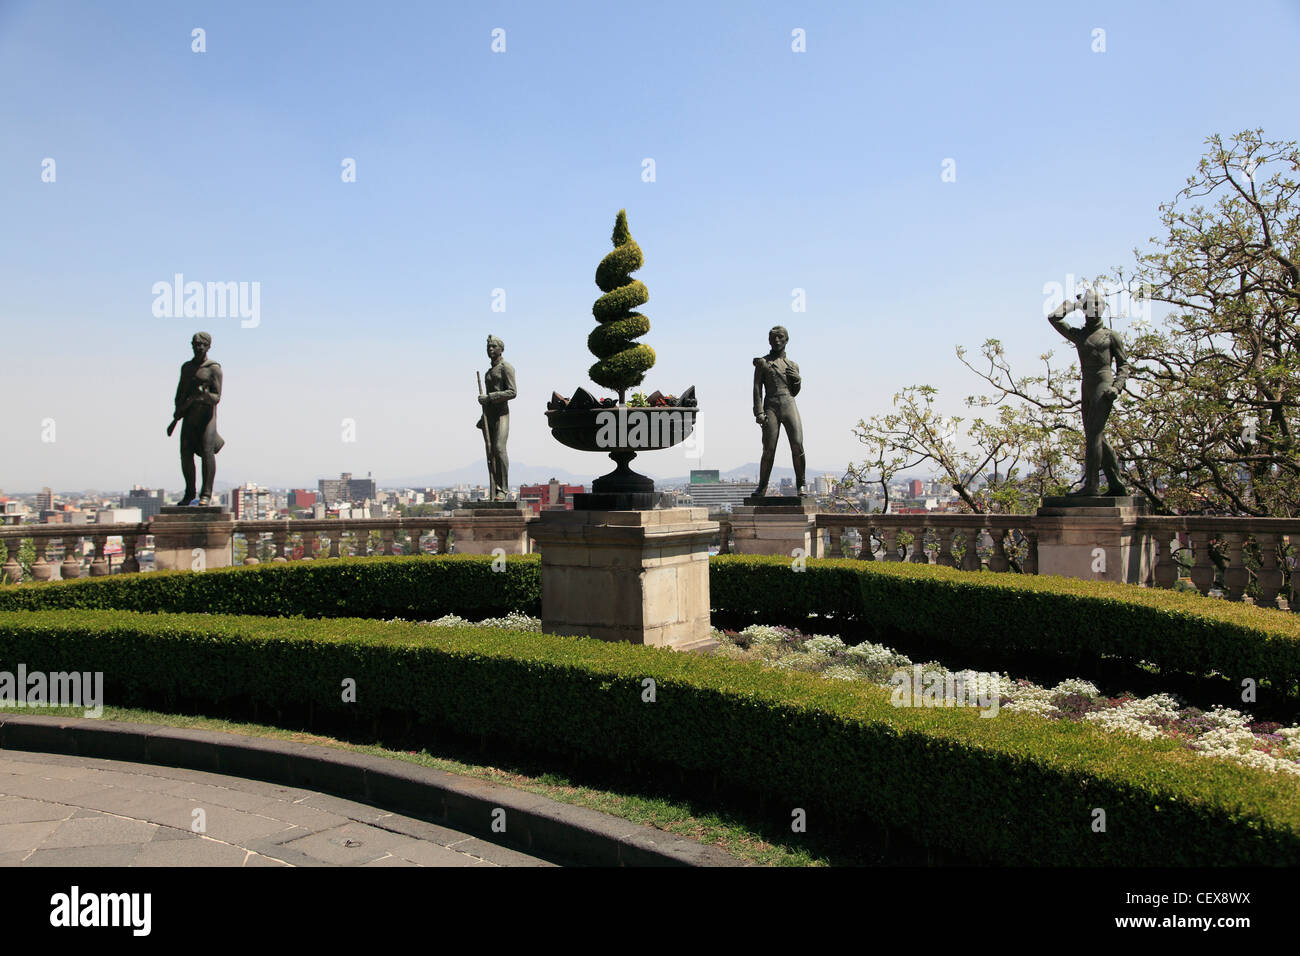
(1236, 558)
(1002, 542)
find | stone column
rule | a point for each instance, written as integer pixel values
(485, 526)
(637, 576)
(1095, 539)
(777, 525)
(180, 529)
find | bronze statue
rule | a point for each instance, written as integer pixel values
(1098, 347)
(197, 395)
(780, 378)
(495, 420)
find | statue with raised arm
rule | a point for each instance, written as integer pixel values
(776, 383)
(197, 395)
(1098, 348)
(499, 383)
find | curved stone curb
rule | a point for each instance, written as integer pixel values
(535, 824)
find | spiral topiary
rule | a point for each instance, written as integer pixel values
(622, 364)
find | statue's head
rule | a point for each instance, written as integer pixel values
(778, 337)
(495, 347)
(1093, 304)
(201, 342)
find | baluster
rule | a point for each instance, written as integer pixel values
(944, 557)
(388, 541)
(252, 546)
(130, 563)
(99, 563)
(970, 561)
(336, 535)
(1031, 552)
(309, 545)
(836, 548)
(865, 551)
(42, 570)
(1235, 576)
(1166, 571)
(918, 546)
(13, 570)
(998, 560)
(889, 543)
(724, 537)
(1203, 567)
(1270, 574)
(281, 538)
(71, 566)
(359, 536)
(416, 535)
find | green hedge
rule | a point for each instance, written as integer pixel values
(1015, 613)
(1013, 789)
(1007, 613)
(415, 587)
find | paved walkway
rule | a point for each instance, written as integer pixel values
(76, 811)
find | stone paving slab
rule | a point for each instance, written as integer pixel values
(57, 810)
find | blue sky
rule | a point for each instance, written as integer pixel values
(476, 170)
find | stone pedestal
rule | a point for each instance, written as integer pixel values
(179, 530)
(776, 524)
(1095, 539)
(487, 525)
(637, 576)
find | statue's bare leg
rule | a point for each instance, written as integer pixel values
(209, 474)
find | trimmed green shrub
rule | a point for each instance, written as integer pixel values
(1038, 614)
(622, 364)
(1006, 613)
(417, 587)
(1013, 789)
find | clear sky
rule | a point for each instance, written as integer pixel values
(774, 170)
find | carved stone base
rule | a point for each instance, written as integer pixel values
(637, 576)
(485, 526)
(192, 538)
(785, 526)
(1095, 539)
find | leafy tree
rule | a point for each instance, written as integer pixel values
(1209, 422)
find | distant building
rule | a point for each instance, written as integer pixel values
(916, 488)
(552, 496)
(45, 500)
(249, 502)
(301, 498)
(148, 500)
(706, 491)
(118, 516)
(346, 489)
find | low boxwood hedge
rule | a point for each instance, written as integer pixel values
(1017, 613)
(416, 587)
(1013, 789)
(1002, 613)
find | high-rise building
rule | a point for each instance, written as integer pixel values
(915, 488)
(249, 502)
(346, 489)
(45, 500)
(148, 500)
(706, 491)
